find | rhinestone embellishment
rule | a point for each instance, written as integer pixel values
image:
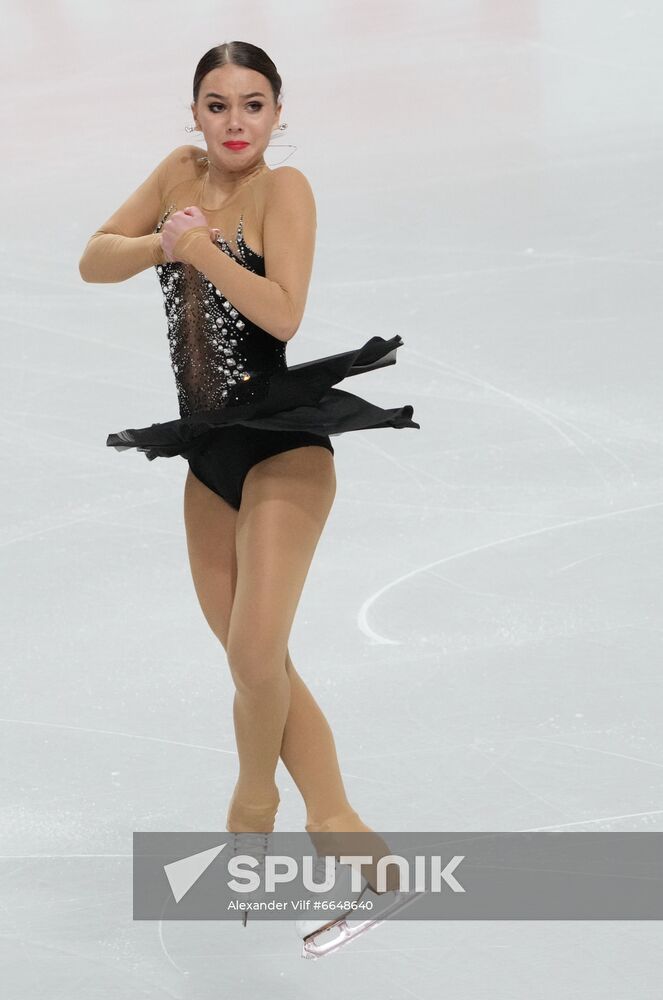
(210, 342)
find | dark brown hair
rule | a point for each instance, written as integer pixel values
(238, 54)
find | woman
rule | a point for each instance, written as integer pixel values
(255, 433)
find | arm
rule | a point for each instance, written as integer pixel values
(111, 257)
(276, 302)
(126, 244)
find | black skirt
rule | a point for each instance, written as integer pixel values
(299, 398)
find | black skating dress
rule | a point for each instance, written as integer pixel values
(239, 401)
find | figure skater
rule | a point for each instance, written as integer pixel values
(232, 241)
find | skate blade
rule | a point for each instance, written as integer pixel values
(313, 948)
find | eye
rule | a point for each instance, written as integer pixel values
(253, 104)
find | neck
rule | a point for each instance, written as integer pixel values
(225, 181)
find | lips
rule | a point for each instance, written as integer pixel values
(235, 145)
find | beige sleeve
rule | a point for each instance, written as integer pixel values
(126, 243)
(277, 301)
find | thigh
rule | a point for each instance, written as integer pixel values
(210, 524)
(286, 500)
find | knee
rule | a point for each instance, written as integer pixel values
(253, 665)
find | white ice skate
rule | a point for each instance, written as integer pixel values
(336, 929)
(257, 846)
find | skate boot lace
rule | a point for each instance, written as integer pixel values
(255, 844)
(319, 868)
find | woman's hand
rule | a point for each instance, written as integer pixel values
(177, 224)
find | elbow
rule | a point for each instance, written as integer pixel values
(284, 334)
(86, 268)
(291, 323)
(90, 266)
(90, 275)
(288, 332)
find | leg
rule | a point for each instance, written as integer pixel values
(286, 499)
(210, 534)
(309, 753)
(307, 749)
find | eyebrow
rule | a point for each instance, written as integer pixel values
(256, 93)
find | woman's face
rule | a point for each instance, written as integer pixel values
(235, 103)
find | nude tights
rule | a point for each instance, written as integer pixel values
(308, 751)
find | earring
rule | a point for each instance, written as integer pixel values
(280, 128)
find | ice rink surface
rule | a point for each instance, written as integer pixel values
(482, 620)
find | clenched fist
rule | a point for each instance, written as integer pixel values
(178, 223)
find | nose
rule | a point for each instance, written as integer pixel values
(234, 123)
